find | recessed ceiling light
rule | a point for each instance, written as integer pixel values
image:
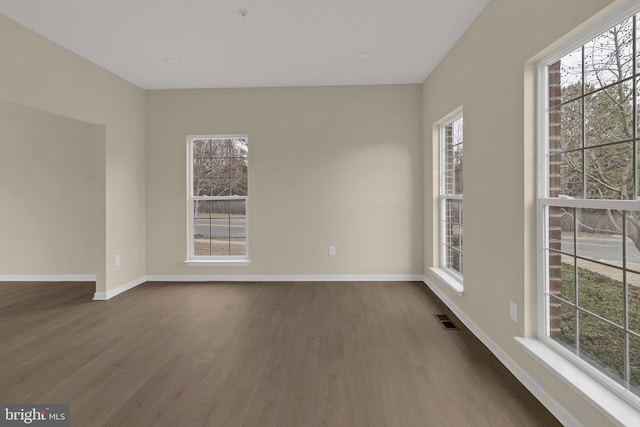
(364, 56)
(173, 61)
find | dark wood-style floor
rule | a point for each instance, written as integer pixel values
(252, 354)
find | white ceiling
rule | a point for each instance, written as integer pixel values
(277, 43)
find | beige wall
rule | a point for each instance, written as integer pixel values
(40, 74)
(330, 165)
(327, 166)
(485, 73)
(47, 171)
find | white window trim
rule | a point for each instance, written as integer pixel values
(448, 279)
(612, 399)
(200, 260)
(619, 410)
(217, 262)
(448, 276)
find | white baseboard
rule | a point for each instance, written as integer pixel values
(103, 296)
(288, 278)
(48, 278)
(558, 411)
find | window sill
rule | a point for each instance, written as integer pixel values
(217, 262)
(608, 402)
(449, 280)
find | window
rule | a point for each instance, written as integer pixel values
(451, 144)
(589, 211)
(218, 198)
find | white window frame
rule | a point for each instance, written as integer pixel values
(447, 275)
(200, 260)
(613, 398)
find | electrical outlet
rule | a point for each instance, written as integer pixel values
(332, 251)
(514, 312)
(117, 260)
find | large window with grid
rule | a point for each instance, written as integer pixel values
(451, 236)
(218, 197)
(589, 211)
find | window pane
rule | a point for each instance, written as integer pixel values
(201, 209)
(238, 208)
(220, 186)
(571, 176)
(220, 166)
(238, 166)
(562, 323)
(632, 254)
(571, 125)
(609, 57)
(457, 178)
(449, 182)
(202, 187)
(238, 246)
(602, 345)
(220, 247)
(201, 148)
(202, 228)
(453, 234)
(562, 280)
(220, 218)
(453, 224)
(202, 247)
(239, 147)
(571, 75)
(633, 301)
(238, 186)
(453, 216)
(609, 115)
(453, 156)
(600, 235)
(560, 229)
(454, 259)
(601, 291)
(238, 227)
(610, 171)
(220, 230)
(220, 148)
(634, 363)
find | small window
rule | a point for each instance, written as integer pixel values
(451, 186)
(218, 172)
(589, 209)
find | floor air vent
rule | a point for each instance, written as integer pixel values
(445, 322)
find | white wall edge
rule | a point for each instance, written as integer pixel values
(48, 278)
(288, 278)
(558, 411)
(103, 296)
